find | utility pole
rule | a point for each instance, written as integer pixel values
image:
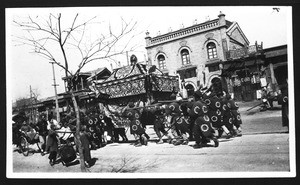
(127, 58)
(31, 105)
(56, 98)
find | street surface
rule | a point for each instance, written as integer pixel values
(264, 147)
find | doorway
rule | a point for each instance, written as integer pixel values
(190, 89)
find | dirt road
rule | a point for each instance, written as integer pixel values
(264, 147)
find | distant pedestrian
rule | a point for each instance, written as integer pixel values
(85, 144)
(264, 97)
(52, 145)
(283, 101)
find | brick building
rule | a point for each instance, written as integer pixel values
(198, 53)
(215, 49)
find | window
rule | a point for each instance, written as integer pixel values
(161, 62)
(185, 56)
(211, 50)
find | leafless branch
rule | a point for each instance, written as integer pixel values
(99, 49)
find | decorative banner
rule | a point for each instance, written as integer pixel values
(136, 86)
(128, 88)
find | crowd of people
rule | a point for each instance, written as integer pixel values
(51, 136)
(202, 118)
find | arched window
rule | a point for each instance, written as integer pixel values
(211, 50)
(185, 56)
(161, 62)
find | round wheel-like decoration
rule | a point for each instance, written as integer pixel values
(136, 115)
(204, 109)
(204, 127)
(228, 105)
(218, 104)
(180, 109)
(206, 118)
(90, 122)
(172, 107)
(101, 116)
(179, 121)
(196, 110)
(238, 117)
(91, 129)
(218, 112)
(214, 118)
(137, 122)
(95, 136)
(134, 127)
(207, 101)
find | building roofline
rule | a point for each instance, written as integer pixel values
(275, 47)
(185, 32)
(240, 29)
(183, 29)
(89, 73)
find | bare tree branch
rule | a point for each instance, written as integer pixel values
(42, 35)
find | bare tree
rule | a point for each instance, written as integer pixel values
(35, 94)
(57, 40)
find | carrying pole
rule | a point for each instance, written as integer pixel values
(255, 106)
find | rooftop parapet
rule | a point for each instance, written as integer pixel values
(181, 33)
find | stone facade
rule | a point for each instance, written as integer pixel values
(222, 34)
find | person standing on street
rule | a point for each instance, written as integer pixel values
(283, 101)
(52, 145)
(85, 143)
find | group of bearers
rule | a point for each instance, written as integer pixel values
(204, 117)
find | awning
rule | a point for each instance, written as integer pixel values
(229, 67)
(234, 65)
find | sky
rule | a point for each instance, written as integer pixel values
(25, 69)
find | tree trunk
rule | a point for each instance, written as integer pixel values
(77, 135)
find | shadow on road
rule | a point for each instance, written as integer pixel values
(128, 164)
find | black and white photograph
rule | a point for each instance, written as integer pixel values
(150, 92)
